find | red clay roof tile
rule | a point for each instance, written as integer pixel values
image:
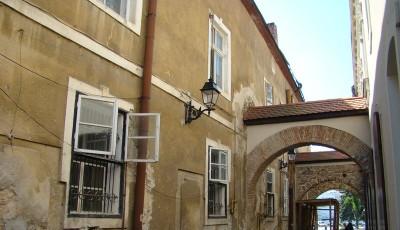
(314, 109)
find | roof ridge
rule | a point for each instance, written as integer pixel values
(309, 102)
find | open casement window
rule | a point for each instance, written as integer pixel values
(95, 128)
(148, 138)
(269, 201)
(217, 183)
(96, 176)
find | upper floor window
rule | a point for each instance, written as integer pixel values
(269, 205)
(219, 55)
(269, 94)
(128, 12)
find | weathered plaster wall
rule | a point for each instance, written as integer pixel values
(181, 59)
(29, 190)
(313, 180)
(37, 63)
(35, 66)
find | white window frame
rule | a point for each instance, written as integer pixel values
(75, 85)
(136, 25)
(216, 220)
(269, 170)
(216, 23)
(267, 100)
(156, 137)
(113, 127)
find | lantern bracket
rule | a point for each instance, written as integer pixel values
(191, 113)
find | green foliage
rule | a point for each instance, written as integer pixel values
(351, 208)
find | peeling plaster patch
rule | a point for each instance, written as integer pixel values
(24, 189)
(243, 99)
(148, 198)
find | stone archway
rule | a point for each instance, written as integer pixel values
(318, 189)
(312, 179)
(275, 145)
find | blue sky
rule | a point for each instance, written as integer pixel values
(315, 37)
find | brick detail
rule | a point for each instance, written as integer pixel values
(311, 181)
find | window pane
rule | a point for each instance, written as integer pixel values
(118, 6)
(94, 138)
(269, 177)
(218, 40)
(96, 112)
(216, 199)
(214, 156)
(218, 69)
(215, 172)
(223, 158)
(223, 173)
(95, 186)
(93, 182)
(269, 187)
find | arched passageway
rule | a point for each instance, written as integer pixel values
(278, 143)
(318, 189)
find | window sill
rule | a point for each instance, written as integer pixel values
(216, 221)
(270, 218)
(78, 222)
(88, 215)
(133, 27)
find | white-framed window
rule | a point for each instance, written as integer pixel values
(217, 182)
(269, 94)
(220, 55)
(128, 12)
(105, 136)
(269, 201)
(96, 172)
(285, 197)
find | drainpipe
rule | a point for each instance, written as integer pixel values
(144, 108)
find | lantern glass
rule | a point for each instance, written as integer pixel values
(210, 94)
(291, 155)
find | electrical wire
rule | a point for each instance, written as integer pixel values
(58, 83)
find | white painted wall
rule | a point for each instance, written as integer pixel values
(384, 93)
(358, 126)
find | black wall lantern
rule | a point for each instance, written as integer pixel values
(210, 95)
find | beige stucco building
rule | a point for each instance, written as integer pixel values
(375, 41)
(71, 72)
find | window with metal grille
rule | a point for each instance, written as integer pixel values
(217, 182)
(96, 176)
(269, 200)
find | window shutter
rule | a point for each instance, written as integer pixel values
(149, 137)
